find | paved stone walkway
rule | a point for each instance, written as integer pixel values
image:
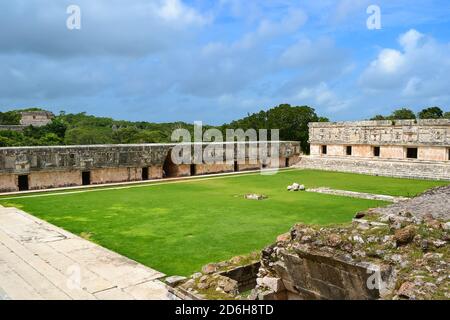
(361, 195)
(41, 261)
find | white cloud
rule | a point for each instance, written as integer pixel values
(410, 39)
(420, 68)
(176, 11)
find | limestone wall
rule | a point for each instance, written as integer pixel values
(155, 172)
(431, 132)
(436, 170)
(8, 182)
(109, 175)
(45, 180)
(213, 168)
(62, 166)
(36, 118)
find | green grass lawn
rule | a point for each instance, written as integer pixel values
(178, 227)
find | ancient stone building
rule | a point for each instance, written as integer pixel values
(406, 148)
(36, 118)
(33, 168)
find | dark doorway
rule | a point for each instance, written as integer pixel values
(23, 183)
(348, 150)
(170, 169)
(411, 153)
(324, 149)
(86, 178)
(236, 167)
(287, 162)
(376, 151)
(145, 173)
(193, 169)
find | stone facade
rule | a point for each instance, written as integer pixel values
(406, 148)
(33, 168)
(36, 118)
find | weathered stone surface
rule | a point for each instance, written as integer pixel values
(380, 147)
(62, 166)
(254, 196)
(405, 235)
(350, 262)
(430, 132)
(409, 168)
(174, 280)
(209, 268)
(406, 290)
(284, 237)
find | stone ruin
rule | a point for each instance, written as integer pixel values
(400, 148)
(397, 252)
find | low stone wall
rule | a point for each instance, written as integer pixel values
(44, 180)
(62, 166)
(303, 275)
(17, 127)
(213, 168)
(110, 175)
(392, 168)
(8, 182)
(244, 275)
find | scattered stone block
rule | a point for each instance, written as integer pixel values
(174, 280)
(254, 196)
(404, 235)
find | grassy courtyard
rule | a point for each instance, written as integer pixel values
(178, 227)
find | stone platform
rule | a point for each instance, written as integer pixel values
(41, 261)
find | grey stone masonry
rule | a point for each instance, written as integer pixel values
(62, 158)
(432, 170)
(426, 132)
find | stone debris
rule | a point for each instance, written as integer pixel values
(255, 196)
(409, 248)
(405, 235)
(434, 202)
(296, 187)
(174, 280)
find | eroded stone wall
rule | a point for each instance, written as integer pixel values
(62, 166)
(432, 132)
(382, 167)
(422, 145)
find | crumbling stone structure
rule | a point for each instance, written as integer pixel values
(395, 252)
(36, 118)
(405, 148)
(30, 118)
(33, 168)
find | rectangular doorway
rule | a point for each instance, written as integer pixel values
(86, 178)
(411, 153)
(145, 173)
(236, 167)
(23, 182)
(287, 163)
(193, 170)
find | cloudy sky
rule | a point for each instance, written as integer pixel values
(214, 61)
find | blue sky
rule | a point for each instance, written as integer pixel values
(215, 61)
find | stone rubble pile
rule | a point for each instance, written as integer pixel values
(296, 187)
(210, 283)
(255, 196)
(410, 248)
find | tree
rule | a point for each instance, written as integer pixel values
(9, 118)
(402, 113)
(291, 121)
(446, 115)
(378, 117)
(431, 113)
(50, 139)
